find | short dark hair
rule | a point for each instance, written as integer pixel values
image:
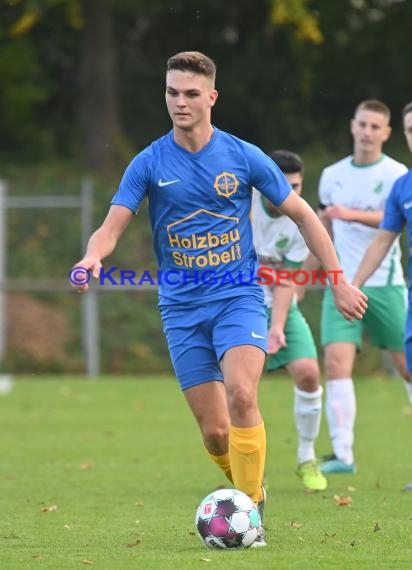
(376, 106)
(193, 61)
(289, 162)
(407, 109)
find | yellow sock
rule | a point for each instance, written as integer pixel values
(223, 462)
(247, 453)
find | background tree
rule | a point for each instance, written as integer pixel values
(75, 71)
(74, 40)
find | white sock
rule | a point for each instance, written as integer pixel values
(341, 414)
(308, 411)
(408, 387)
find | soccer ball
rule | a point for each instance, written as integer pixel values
(227, 518)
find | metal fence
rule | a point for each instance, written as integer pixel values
(89, 305)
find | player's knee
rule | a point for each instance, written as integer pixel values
(335, 367)
(216, 438)
(399, 361)
(308, 382)
(404, 372)
(241, 400)
(307, 376)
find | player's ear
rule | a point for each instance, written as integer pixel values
(213, 97)
(387, 133)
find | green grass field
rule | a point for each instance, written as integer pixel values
(109, 473)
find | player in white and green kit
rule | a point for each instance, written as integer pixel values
(397, 215)
(352, 196)
(280, 245)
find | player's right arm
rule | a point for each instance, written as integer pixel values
(374, 255)
(340, 212)
(282, 296)
(392, 225)
(312, 263)
(349, 300)
(103, 242)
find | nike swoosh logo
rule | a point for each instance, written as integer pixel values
(254, 335)
(407, 205)
(167, 182)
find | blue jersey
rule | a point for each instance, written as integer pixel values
(199, 207)
(398, 211)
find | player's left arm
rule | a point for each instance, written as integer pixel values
(350, 301)
(374, 255)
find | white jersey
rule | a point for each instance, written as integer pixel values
(277, 241)
(363, 188)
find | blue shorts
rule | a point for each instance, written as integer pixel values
(199, 335)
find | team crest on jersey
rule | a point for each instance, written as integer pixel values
(282, 242)
(226, 184)
(378, 188)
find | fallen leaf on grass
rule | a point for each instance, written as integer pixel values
(138, 406)
(323, 540)
(295, 524)
(88, 562)
(139, 504)
(342, 501)
(376, 527)
(351, 489)
(37, 557)
(86, 466)
(66, 526)
(132, 544)
(51, 509)
(205, 560)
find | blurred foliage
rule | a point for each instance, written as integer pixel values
(290, 71)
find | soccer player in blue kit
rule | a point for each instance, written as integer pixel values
(198, 182)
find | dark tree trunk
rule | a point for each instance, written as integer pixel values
(105, 146)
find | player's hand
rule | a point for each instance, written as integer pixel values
(337, 211)
(82, 271)
(276, 339)
(350, 300)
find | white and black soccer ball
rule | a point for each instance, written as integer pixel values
(227, 518)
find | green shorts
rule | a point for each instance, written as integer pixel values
(384, 319)
(300, 343)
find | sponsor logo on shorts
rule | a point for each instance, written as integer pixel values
(255, 335)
